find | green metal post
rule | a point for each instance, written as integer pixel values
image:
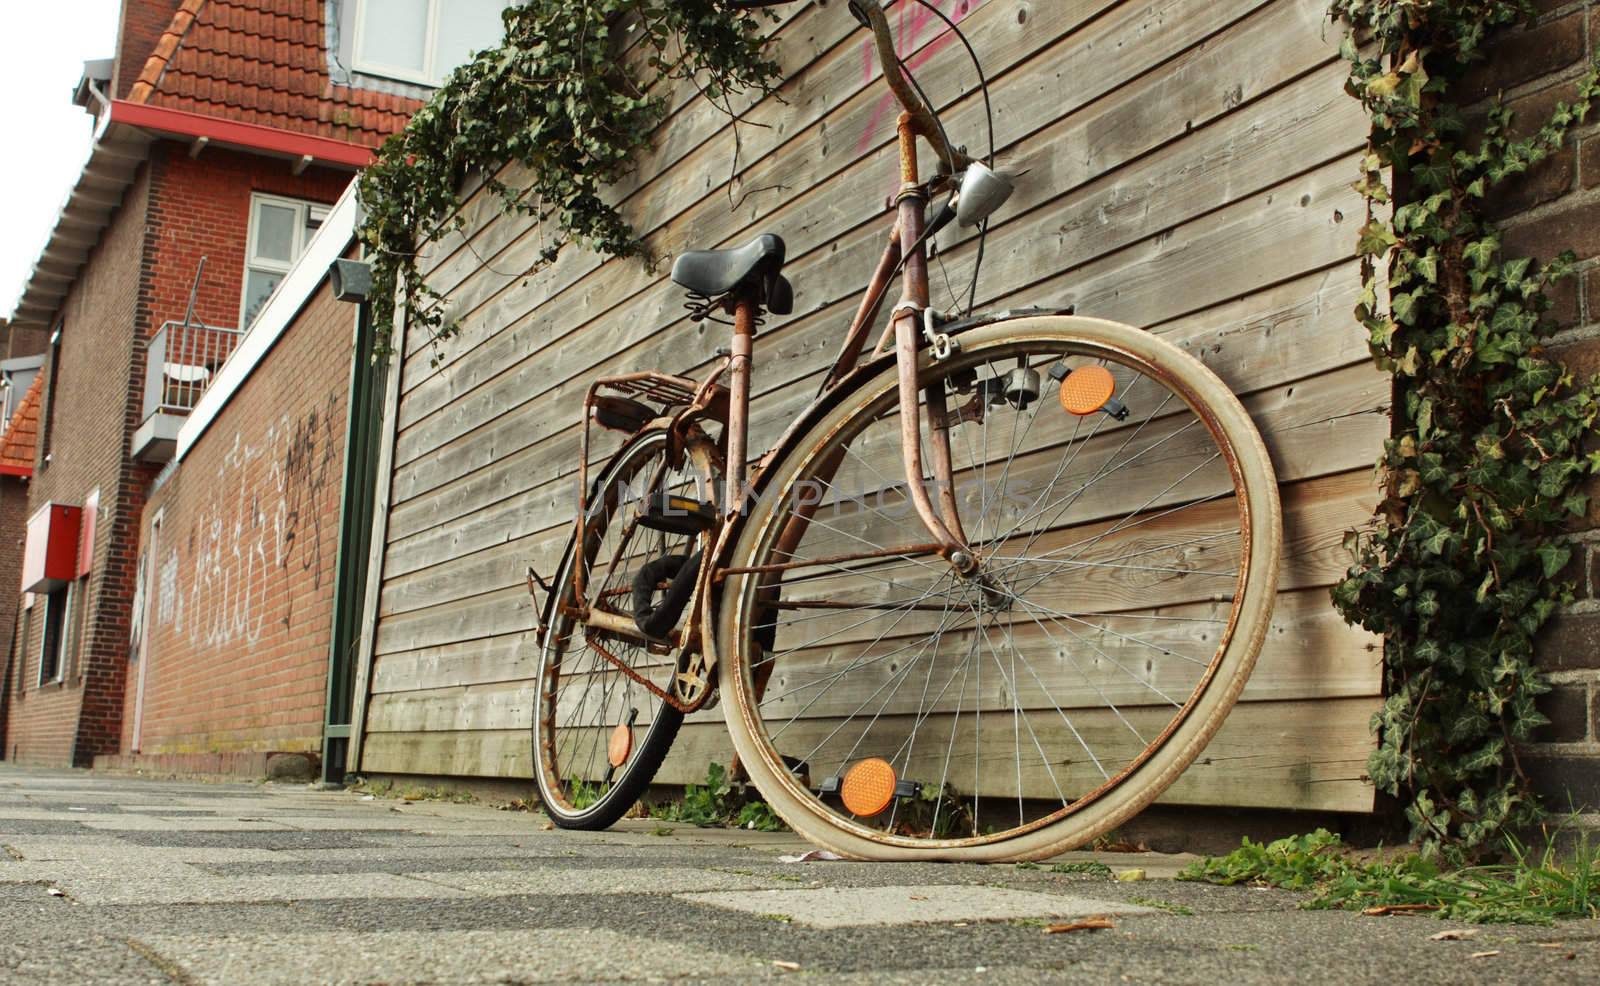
(355, 542)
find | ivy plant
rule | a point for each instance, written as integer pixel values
(1486, 461)
(572, 95)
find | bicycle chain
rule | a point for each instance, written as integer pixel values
(650, 686)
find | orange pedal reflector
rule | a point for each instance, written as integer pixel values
(621, 744)
(868, 787)
(1087, 389)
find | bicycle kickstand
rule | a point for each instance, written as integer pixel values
(536, 581)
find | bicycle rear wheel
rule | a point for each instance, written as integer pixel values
(1125, 515)
(600, 731)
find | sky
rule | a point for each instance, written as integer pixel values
(42, 50)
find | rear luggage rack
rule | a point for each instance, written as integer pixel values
(662, 388)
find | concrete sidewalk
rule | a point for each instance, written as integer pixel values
(119, 880)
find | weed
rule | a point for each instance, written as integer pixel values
(581, 795)
(378, 789)
(661, 830)
(780, 918)
(716, 804)
(1163, 905)
(437, 794)
(1026, 865)
(412, 792)
(759, 816)
(1087, 867)
(1242, 948)
(1529, 888)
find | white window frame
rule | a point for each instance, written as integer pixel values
(304, 212)
(60, 638)
(430, 76)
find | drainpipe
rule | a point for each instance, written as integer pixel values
(351, 282)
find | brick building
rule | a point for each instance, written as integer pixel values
(1556, 207)
(225, 132)
(21, 428)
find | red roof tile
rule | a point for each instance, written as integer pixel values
(22, 434)
(263, 62)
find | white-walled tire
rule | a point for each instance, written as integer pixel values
(864, 648)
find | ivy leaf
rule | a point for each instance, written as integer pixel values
(1375, 240)
(1554, 557)
(1481, 253)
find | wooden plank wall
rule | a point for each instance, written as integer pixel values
(1191, 166)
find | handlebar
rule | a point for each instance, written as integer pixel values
(871, 16)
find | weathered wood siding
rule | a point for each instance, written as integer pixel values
(1191, 163)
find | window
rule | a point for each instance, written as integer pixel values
(279, 231)
(19, 644)
(77, 613)
(422, 40)
(56, 620)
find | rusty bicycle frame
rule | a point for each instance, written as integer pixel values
(710, 400)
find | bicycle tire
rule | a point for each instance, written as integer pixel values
(814, 809)
(590, 803)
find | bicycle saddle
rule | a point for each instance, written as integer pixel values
(713, 273)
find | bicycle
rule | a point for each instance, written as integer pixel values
(999, 650)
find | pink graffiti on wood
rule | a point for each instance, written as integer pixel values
(912, 23)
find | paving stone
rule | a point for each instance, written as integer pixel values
(353, 823)
(10, 827)
(73, 874)
(90, 850)
(377, 853)
(151, 823)
(834, 907)
(56, 959)
(208, 889)
(280, 839)
(33, 813)
(455, 957)
(640, 880)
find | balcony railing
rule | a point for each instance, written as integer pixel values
(180, 363)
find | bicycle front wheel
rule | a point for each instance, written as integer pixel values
(1125, 516)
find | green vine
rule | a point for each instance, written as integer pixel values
(1486, 460)
(567, 96)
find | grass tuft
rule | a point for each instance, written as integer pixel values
(1527, 888)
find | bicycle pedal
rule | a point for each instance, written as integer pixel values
(672, 514)
(902, 788)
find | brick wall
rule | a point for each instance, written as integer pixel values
(200, 207)
(142, 24)
(86, 437)
(13, 521)
(1556, 207)
(140, 276)
(241, 577)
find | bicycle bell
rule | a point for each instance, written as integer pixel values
(983, 192)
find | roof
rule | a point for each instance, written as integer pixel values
(244, 74)
(263, 62)
(19, 444)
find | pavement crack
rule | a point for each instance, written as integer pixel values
(169, 968)
(433, 883)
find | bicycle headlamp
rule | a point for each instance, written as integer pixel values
(983, 192)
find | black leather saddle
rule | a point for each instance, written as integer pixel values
(753, 270)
